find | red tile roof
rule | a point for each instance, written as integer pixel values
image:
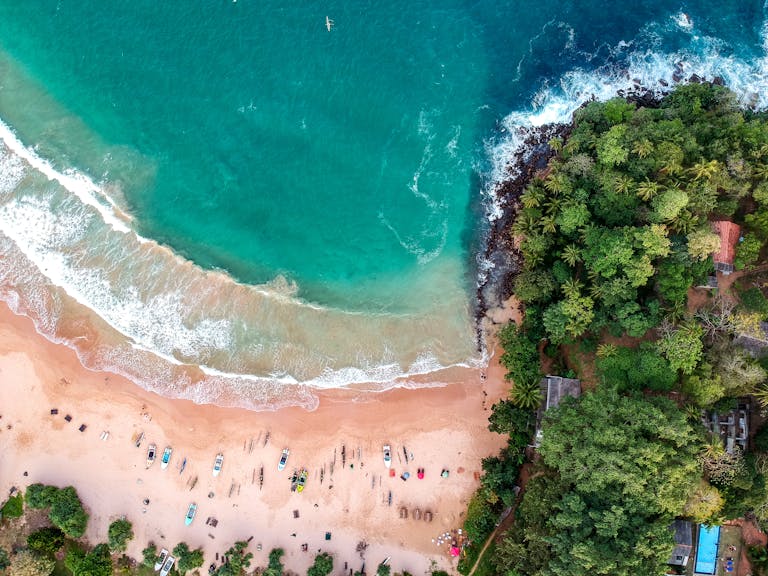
(729, 237)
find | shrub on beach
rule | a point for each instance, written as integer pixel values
(275, 567)
(323, 565)
(67, 513)
(40, 496)
(149, 555)
(118, 535)
(187, 559)
(13, 507)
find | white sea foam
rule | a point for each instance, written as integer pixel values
(655, 71)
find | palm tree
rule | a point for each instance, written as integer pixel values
(525, 225)
(606, 350)
(572, 287)
(705, 170)
(760, 171)
(623, 184)
(548, 224)
(571, 255)
(647, 190)
(557, 182)
(556, 144)
(761, 394)
(526, 395)
(643, 148)
(531, 198)
(685, 222)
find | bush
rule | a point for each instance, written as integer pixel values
(275, 567)
(323, 565)
(46, 540)
(754, 301)
(68, 514)
(40, 496)
(187, 559)
(149, 555)
(97, 562)
(760, 443)
(120, 532)
(5, 560)
(29, 563)
(481, 517)
(13, 507)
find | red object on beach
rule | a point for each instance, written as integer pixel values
(455, 551)
(420, 473)
(392, 472)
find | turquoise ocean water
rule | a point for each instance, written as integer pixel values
(226, 201)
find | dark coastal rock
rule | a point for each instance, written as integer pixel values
(695, 79)
(663, 82)
(501, 261)
(718, 81)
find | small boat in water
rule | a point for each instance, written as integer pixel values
(168, 566)
(328, 23)
(151, 455)
(161, 559)
(191, 511)
(166, 459)
(217, 464)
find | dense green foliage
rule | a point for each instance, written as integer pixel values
(619, 469)
(5, 560)
(13, 507)
(149, 555)
(67, 513)
(236, 560)
(614, 234)
(46, 540)
(66, 510)
(618, 228)
(275, 566)
(40, 496)
(187, 559)
(322, 566)
(96, 562)
(119, 533)
(30, 563)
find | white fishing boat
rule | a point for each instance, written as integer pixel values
(166, 459)
(328, 23)
(283, 459)
(217, 464)
(168, 566)
(387, 455)
(151, 455)
(161, 559)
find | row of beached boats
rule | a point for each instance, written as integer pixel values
(164, 563)
(218, 463)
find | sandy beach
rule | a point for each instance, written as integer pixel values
(351, 497)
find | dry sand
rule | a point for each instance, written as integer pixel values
(440, 427)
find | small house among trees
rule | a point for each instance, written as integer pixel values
(683, 535)
(732, 427)
(729, 237)
(553, 390)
